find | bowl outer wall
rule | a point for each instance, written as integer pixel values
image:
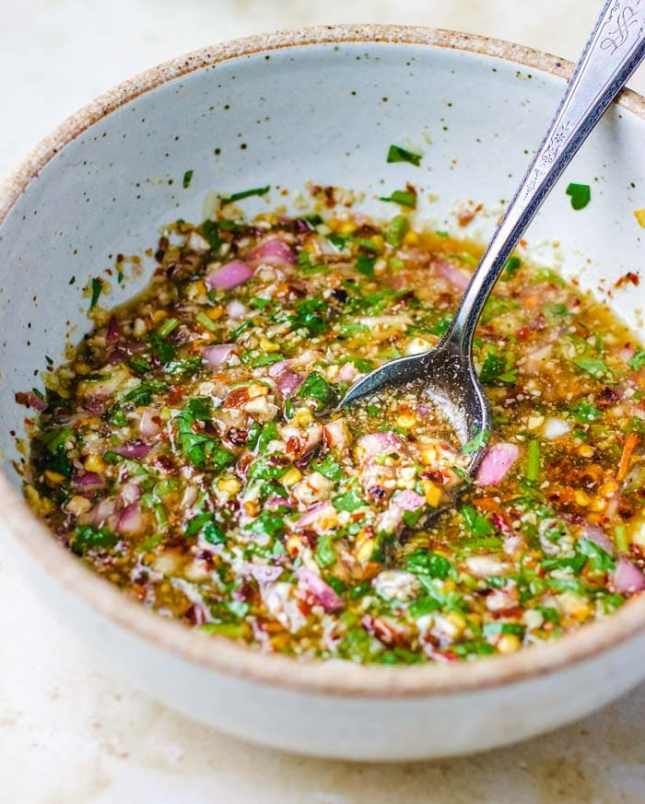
(87, 169)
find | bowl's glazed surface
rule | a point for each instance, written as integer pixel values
(322, 106)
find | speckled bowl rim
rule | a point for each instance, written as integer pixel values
(218, 653)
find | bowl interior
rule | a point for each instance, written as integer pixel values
(324, 113)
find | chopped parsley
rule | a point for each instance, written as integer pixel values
(398, 154)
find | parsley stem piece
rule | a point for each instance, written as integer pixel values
(97, 289)
(533, 461)
(228, 199)
(166, 327)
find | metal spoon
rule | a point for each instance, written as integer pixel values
(446, 373)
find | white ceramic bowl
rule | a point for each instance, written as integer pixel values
(321, 105)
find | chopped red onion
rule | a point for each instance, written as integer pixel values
(95, 404)
(313, 514)
(134, 449)
(322, 592)
(348, 373)
(130, 493)
(148, 423)
(272, 252)
(131, 520)
(377, 443)
(408, 500)
(89, 481)
(288, 383)
(336, 434)
(216, 355)
(275, 501)
(457, 278)
(112, 333)
(627, 577)
(229, 275)
(278, 368)
(497, 462)
(263, 573)
(104, 510)
(598, 536)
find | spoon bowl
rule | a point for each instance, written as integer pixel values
(446, 374)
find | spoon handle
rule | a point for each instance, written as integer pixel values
(615, 49)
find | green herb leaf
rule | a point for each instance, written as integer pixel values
(213, 534)
(195, 525)
(268, 523)
(599, 559)
(580, 195)
(210, 232)
(338, 240)
(307, 266)
(396, 230)
(475, 522)
(478, 441)
(258, 359)
(424, 605)
(329, 468)
(56, 439)
(585, 411)
(185, 367)
(406, 198)
(365, 265)
(349, 501)
(235, 333)
(495, 370)
(268, 434)
(398, 154)
(325, 552)
(142, 394)
(200, 408)
(309, 316)
(496, 628)
(315, 386)
(638, 361)
(512, 266)
(592, 365)
(87, 538)
(161, 349)
(497, 306)
(424, 562)
(139, 364)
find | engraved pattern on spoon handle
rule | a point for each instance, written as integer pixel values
(615, 49)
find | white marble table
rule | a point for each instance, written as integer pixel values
(69, 734)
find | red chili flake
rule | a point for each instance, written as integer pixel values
(630, 276)
(607, 396)
(236, 398)
(175, 395)
(30, 400)
(383, 631)
(467, 213)
(237, 436)
(293, 445)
